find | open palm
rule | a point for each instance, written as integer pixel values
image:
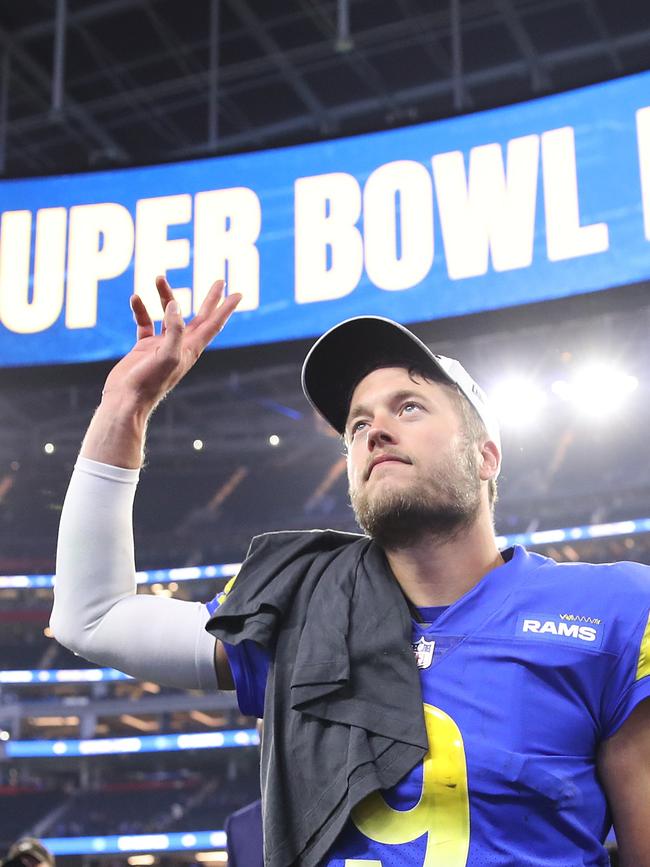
(158, 361)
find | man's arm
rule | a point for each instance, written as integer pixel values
(624, 769)
(96, 611)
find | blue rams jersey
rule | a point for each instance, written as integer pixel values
(522, 678)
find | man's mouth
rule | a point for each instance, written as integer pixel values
(383, 459)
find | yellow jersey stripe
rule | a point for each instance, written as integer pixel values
(643, 668)
(228, 587)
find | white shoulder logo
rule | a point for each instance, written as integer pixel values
(569, 628)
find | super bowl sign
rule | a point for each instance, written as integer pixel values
(520, 204)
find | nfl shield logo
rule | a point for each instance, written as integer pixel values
(423, 651)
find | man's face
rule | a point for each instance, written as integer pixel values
(411, 470)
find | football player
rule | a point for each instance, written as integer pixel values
(428, 699)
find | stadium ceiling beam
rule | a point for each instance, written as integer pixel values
(240, 77)
(33, 154)
(347, 51)
(95, 134)
(122, 81)
(380, 38)
(539, 78)
(457, 80)
(280, 59)
(5, 73)
(170, 44)
(432, 45)
(596, 19)
(196, 78)
(58, 69)
(101, 10)
(213, 77)
(491, 75)
(90, 12)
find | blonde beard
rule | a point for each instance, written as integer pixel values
(440, 506)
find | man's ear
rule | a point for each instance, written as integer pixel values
(491, 460)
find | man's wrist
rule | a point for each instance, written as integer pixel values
(117, 431)
(126, 407)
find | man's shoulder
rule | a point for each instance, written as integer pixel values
(621, 588)
(620, 575)
(248, 813)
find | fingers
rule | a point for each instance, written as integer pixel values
(208, 322)
(145, 327)
(165, 294)
(210, 302)
(205, 331)
(164, 291)
(173, 319)
(173, 328)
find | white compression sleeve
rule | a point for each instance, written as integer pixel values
(97, 613)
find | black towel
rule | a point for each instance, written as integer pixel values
(343, 707)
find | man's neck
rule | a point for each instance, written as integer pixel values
(436, 571)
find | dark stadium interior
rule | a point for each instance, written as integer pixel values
(138, 74)
(138, 88)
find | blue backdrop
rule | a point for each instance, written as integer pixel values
(516, 205)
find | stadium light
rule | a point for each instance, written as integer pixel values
(518, 402)
(274, 440)
(197, 445)
(598, 390)
(49, 448)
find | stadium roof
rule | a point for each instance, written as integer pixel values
(99, 83)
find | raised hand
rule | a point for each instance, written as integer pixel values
(149, 371)
(158, 361)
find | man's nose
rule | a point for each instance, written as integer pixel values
(379, 434)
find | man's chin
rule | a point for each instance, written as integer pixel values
(394, 520)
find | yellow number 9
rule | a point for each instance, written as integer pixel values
(442, 813)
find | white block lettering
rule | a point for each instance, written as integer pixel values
(531, 626)
(384, 221)
(155, 253)
(327, 208)
(19, 312)
(565, 237)
(491, 212)
(227, 224)
(100, 246)
(643, 138)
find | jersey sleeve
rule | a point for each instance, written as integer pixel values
(249, 664)
(629, 683)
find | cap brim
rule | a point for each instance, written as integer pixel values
(345, 353)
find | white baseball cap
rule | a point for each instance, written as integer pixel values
(348, 351)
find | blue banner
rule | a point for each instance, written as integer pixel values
(520, 204)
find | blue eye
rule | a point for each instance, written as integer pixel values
(355, 427)
(411, 404)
